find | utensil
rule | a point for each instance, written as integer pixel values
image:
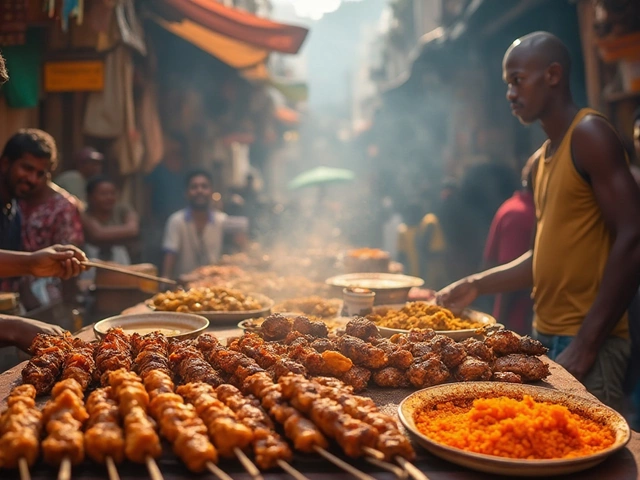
(181, 326)
(454, 392)
(126, 271)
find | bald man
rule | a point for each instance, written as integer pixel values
(584, 267)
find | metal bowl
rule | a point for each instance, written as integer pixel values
(389, 287)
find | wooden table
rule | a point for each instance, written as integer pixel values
(622, 466)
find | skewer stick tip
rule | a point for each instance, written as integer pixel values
(154, 471)
(413, 471)
(390, 467)
(23, 466)
(217, 471)
(65, 469)
(338, 462)
(372, 452)
(112, 471)
(248, 465)
(292, 471)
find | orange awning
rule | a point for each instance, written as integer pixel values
(236, 54)
(240, 25)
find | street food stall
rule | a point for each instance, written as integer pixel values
(238, 383)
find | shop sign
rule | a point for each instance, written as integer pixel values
(74, 76)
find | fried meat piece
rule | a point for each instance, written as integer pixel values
(503, 342)
(391, 377)
(285, 366)
(420, 335)
(452, 353)
(399, 357)
(308, 327)
(322, 345)
(529, 368)
(476, 348)
(362, 328)
(473, 369)
(428, 371)
(356, 377)
(276, 327)
(530, 346)
(362, 353)
(507, 377)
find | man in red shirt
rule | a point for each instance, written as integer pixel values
(509, 237)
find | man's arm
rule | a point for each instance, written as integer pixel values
(62, 261)
(597, 151)
(516, 275)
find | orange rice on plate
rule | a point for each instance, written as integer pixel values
(506, 427)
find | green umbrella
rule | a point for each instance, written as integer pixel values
(321, 176)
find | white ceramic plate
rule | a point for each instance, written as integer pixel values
(487, 321)
(506, 466)
(172, 324)
(235, 316)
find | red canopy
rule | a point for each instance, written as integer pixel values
(241, 25)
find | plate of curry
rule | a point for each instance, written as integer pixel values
(511, 429)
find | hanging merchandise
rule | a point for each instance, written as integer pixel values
(70, 8)
(13, 26)
(24, 66)
(130, 28)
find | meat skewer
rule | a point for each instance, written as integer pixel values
(20, 427)
(64, 416)
(44, 367)
(179, 423)
(142, 444)
(112, 353)
(104, 438)
(244, 370)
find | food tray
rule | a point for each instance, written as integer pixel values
(507, 466)
(233, 316)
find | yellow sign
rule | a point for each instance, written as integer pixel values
(74, 76)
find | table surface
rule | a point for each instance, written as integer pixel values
(621, 466)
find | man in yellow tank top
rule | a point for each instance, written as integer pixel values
(584, 267)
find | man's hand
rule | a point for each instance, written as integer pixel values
(20, 332)
(64, 261)
(577, 360)
(458, 296)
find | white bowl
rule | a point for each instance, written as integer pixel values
(172, 324)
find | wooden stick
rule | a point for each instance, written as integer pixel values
(413, 471)
(152, 468)
(112, 471)
(343, 465)
(23, 465)
(217, 471)
(65, 469)
(292, 471)
(372, 452)
(390, 467)
(127, 271)
(248, 465)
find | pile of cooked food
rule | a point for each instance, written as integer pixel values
(196, 300)
(420, 358)
(420, 315)
(513, 428)
(313, 306)
(114, 400)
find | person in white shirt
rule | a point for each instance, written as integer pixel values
(194, 236)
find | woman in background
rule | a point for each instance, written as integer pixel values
(108, 225)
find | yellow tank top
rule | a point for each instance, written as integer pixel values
(572, 243)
